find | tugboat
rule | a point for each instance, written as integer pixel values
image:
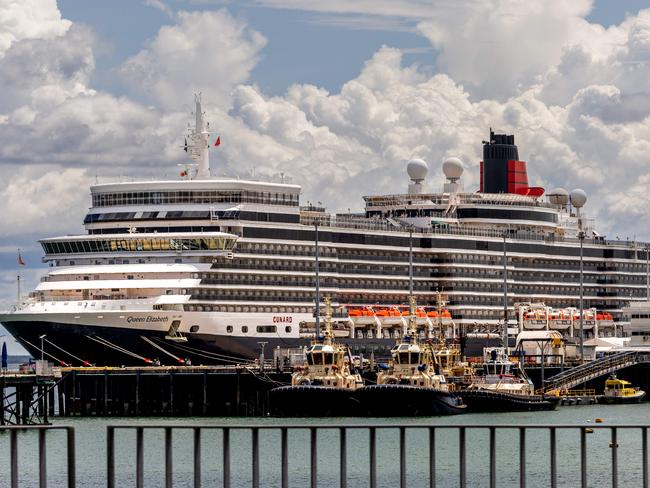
(324, 386)
(502, 386)
(410, 385)
(448, 356)
(621, 391)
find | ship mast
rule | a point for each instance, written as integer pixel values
(412, 304)
(199, 144)
(328, 321)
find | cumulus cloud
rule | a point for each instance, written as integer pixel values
(44, 72)
(51, 193)
(29, 19)
(577, 101)
(204, 52)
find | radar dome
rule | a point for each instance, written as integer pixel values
(558, 196)
(417, 170)
(578, 198)
(452, 168)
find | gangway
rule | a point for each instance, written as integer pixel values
(594, 369)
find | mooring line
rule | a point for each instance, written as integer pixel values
(68, 353)
(43, 351)
(212, 355)
(106, 343)
(161, 349)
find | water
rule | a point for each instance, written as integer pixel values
(91, 451)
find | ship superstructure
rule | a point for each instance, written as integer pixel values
(206, 268)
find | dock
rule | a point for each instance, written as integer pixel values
(26, 397)
(179, 391)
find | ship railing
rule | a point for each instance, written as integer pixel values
(352, 222)
(461, 198)
(400, 454)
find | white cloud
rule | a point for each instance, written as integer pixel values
(29, 19)
(51, 200)
(208, 52)
(44, 72)
(162, 6)
(574, 94)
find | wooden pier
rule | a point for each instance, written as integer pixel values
(183, 391)
(26, 398)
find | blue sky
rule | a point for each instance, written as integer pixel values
(338, 94)
(303, 47)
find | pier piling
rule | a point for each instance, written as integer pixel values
(170, 391)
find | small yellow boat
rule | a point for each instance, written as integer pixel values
(621, 391)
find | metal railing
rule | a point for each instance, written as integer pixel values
(42, 452)
(436, 455)
(399, 452)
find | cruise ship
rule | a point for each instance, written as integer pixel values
(212, 270)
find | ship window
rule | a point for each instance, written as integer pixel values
(244, 329)
(287, 329)
(266, 329)
(229, 329)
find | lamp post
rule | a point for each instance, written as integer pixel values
(316, 265)
(42, 349)
(505, 293)
(647, 273)
(410, 263)
(578, 199)
(581, 236)
(262, 344)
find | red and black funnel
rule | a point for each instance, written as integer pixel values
(501, 169)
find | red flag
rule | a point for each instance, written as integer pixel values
(217, 142)
(20, 259)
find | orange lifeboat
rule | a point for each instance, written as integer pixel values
(393, 312)
(433, 314)
(446, 314)
(355, 312)
(381, 313)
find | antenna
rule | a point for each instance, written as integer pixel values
(198, 144)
